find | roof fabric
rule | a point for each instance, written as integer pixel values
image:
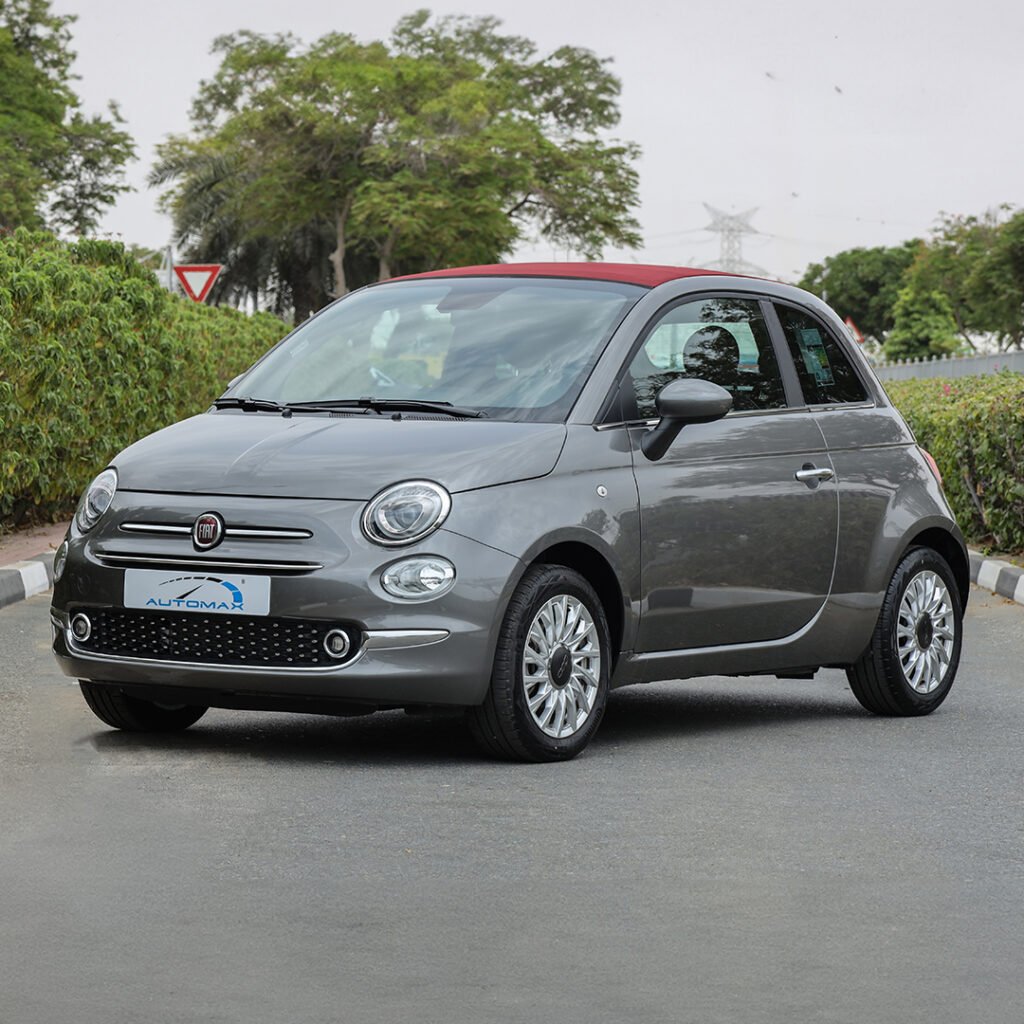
(630, 273)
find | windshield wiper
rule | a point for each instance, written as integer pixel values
(250, 404)
(391, 405)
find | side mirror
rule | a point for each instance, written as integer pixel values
(678, 403)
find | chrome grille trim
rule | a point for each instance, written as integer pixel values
(179, 561)
(154, 528)
(267, 532)
(260, 532)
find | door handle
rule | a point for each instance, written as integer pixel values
(809, 473)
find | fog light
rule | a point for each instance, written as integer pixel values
(422, 576)
(81, 627)
(337, 644)
(59, 561)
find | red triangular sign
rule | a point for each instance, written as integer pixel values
(197, 278)
(854, 330)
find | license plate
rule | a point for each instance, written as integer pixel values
(209, 593)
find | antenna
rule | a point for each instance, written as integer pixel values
(732, 227)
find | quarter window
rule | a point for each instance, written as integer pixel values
(826, 375)
(724, 340)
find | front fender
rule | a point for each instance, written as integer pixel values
(590, 500)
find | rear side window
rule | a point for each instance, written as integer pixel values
(724, 340)
(826, 375)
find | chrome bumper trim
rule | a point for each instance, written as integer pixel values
(396, 639)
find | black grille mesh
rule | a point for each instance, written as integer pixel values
(214, 639)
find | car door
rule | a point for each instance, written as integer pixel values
(871, 451)
(735, 546)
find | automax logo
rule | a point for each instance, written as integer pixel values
(201, 593)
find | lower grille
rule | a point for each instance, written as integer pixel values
(213, 639)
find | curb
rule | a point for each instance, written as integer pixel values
(23, 579)
(35, 575)
(1000, 577)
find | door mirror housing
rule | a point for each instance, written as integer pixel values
(680, 402)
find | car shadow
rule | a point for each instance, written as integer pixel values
(638, 713)
(384, 738)
(634, 716)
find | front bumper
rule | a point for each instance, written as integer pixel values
(438, 651)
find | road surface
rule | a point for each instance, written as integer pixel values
(726, 850)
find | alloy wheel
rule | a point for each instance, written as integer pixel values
(561, 666)
(925, 631)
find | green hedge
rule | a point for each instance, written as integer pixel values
(94, 354)
(974, 427)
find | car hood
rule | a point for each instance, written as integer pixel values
(352, 457)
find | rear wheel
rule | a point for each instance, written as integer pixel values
(911, 662)
(133, 714)
(549, 686)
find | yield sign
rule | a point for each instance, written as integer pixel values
(197, 278)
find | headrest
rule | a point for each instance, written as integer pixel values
(711, 352)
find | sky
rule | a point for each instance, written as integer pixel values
(842, 123)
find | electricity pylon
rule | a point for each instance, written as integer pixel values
(732, 227)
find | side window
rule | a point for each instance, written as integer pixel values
(724, 340)
(826, 376)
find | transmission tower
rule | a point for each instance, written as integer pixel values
(732, 227)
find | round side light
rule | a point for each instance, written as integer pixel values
(419, 577)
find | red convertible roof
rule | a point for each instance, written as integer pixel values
(629, 273)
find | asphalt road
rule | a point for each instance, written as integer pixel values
(735, 851)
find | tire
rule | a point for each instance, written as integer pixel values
(565, 681)
(904, 649)
(133, 714)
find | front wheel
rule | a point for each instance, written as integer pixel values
(549, 685)
(911, 662)
(133, 714)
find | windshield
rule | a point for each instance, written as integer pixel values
(513, 348)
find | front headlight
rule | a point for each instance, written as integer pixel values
(405, 513)
(96, 500)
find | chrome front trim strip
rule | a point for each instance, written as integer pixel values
(262, 533)
(181, 561)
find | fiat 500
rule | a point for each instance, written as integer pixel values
(509, 489)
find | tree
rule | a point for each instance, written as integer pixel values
(58, 167)
(863, 284)
(947, 263)
(997, 283)
(977, 265)
(446, 145)
(923, 326)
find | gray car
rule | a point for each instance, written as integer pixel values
(509, 489)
